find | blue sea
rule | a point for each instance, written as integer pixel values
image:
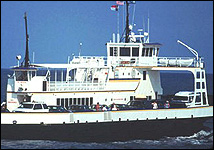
(171, 83)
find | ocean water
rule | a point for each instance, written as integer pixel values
(171, 83)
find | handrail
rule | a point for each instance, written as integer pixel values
(74, 86)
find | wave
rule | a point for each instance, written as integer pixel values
(200, 140)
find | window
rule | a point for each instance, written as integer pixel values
(83, 101)
(21, 75)
(115, 51)
(58, 101)
(157, 51)
(143, 51)
(149, 97)
(204, 98)
(197, 85)
(131, 98)
(156, 95)
(135, 51)
(28, 98)
(70, 101)
(95, 80)
(111, 51)
(66, 102)
(79, 101)
(203, 85)
(144, 75)
(147, 52)
(198, 98)
(91, 100)
(44, 86)
(198, 75)
(45, 106)
(75, 101)
(38, 106)
(125, 51)
(26, 106)
(87, 101)
(62, 102)
(150, 52)
(202, 75)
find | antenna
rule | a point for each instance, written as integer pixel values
(80, 48)
(68, 59)
(33, 56)
(148, 29)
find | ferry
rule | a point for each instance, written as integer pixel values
(130, 71)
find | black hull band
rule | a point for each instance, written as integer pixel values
(104, 131)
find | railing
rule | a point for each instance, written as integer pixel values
(99, 60)
(157, 61)
(74, 86)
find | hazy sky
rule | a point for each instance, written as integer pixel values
(56, 28)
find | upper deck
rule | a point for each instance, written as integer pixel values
(146, 55)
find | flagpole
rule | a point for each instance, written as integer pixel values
(118, 22)
(118, 32)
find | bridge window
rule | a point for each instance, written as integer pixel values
(125, 51)
(111, 51)
(21, 75)
(135, 51)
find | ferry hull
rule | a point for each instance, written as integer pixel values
(104, 131)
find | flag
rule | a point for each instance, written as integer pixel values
(132, 2)
(120, 2)
(114, 7)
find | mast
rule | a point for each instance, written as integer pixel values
(27, 61)
(127, 23)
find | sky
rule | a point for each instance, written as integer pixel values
(56, 28)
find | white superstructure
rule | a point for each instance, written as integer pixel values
(130, 69)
